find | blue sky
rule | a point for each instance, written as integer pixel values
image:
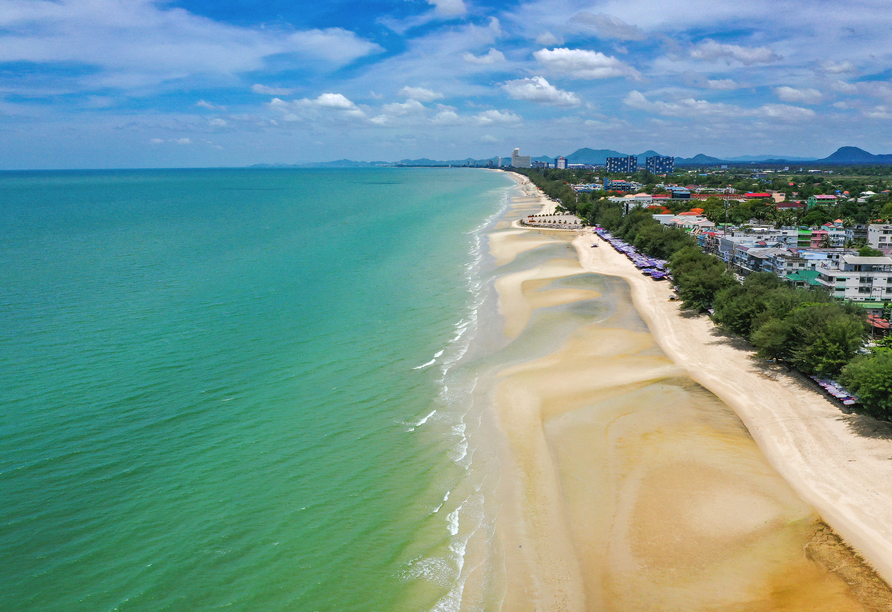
(140, 83)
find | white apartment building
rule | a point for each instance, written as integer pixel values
(518, 160)
(859, 278)
(879, 236)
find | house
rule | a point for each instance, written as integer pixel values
(821, 199)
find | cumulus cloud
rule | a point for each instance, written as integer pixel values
(420, 93)
(540, 91)
(609, 26)
(843, 87)
(879, 112)
(139, 43)
(711, 50)
(448, 116)
(270, 91)
(493, 116)
(330, 105)
(583, 64)
(409, 107)
(547, 39)
(448, 8)
(832, 67)
(209, 105)
(691, 107)
(493, 57)
(805, 96)
(693, 79)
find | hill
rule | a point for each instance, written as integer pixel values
(854, 155)
(595, 157)
(698, 160)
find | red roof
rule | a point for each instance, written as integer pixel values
(878, 322)
(757, 195)
(689, 213)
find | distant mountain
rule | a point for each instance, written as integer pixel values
(698, 160)
(768, 158)
(340, 163)
(642, 157)
(595, 157)
(854, 155)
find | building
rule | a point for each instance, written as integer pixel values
(815, 200)
(628, 165)
(859, 278)
(518, 160)
(560, 163)
(879, 236)
(659, 164)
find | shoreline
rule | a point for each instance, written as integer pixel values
(564, 545)
(841, 464)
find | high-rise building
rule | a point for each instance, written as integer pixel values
(628, 164)
(560, 163)
(518, 160)
(660, 165)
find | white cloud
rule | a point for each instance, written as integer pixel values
(137, 43)
(270, 91)
(843, 87)
(183, 141)
(583, 64)
(156, 141)
(691, 107)
(711, 50)
(409, 107)
(493, 116)
(326, 105)
(488, 138)
(217, 122)
(692, 79)
(420, 93)
(805, 96)
(879, 112)
(447, 116)
(209, 105)
(832, 67)
(493, 57)
(448, 8)
(540, 91)
(547, 39)
(609, 26)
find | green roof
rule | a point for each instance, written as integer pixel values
(805, 276)
(874, 304)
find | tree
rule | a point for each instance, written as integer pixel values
(870, 378)
(867, 251)
(826, 337)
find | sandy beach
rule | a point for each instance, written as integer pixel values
(839, 463)
(627, 486)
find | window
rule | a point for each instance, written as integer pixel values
(863, 289)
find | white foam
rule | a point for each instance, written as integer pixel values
(424, 420)
(424, 365)
(438, 353)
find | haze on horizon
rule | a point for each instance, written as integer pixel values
(146, 83)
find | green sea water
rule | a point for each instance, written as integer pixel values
(230, 389)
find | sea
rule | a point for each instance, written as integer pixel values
(242, 389)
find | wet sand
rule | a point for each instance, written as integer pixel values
(625, 485)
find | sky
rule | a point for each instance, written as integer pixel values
(197, 83)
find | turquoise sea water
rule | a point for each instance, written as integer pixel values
(217, 388)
